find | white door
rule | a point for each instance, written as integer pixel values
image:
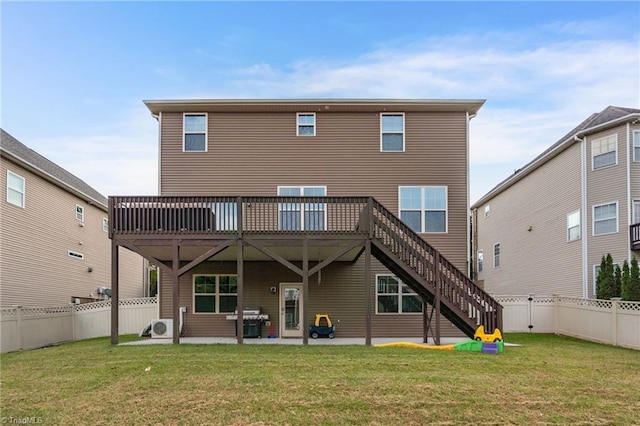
(291, 310)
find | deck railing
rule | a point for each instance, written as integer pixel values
(201, 215)
(634, 236)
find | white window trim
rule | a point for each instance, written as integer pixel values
(206, 130)
(75, 254)
(593, 218)
(105, 224)
(635, 211)
(301, 188)
(404, 139)
(423, 209)
(400, 295)
(216, 294)
(298, 123)
(487, 210)
(635, 143)
(480, 261)
(569, 240)
(79, 213)
(24, 189)
(499, 245)
(593, 168)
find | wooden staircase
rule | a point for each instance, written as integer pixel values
(430, 275)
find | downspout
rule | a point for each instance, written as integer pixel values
(629, 201)
(158, 117)
(469, 235)
(583, 218)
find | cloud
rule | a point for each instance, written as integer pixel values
(123, 161)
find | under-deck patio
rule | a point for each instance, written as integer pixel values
(179, 233)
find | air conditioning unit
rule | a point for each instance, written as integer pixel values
(162, 328)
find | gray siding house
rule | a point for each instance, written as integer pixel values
(353, 208)
(54, 234)
(544, 229)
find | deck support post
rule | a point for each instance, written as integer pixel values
(436, 299)
(240, 282)
(368, 280)
(114, 292)
(305, 291)
(176, 291)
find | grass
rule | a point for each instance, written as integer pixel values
(550, 379)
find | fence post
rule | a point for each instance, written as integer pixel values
(73, 322)
(19, 326)
(530, 312)
(556, 302)
(614, 320)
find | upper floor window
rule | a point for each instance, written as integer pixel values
(195, 132)
(105, 224)
(424, 208)
(636, 146)
(497, 255)
(392, 132)
(215, 293)
(605, 219)
(636, 211)
(573, 226)
(395, 297)
(604, 152)
(480, 260)
(80, 213)
(15, 189)
(293, 216)
(487, 210)
(306, 124)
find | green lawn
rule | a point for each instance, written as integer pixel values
(549, 379)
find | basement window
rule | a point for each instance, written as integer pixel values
(395, 297)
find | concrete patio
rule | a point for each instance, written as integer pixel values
(289, 341)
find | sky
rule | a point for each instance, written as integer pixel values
(74, 74)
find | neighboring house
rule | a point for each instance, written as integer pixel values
(545, 229)
(267, 204)
(54, 234)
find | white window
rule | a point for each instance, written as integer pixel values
(105, 224)
(636, 212)
(392, 132)
(573, 226)
(487, 210)
(75, 254)
(480, 260)
(395, 297)
(604, 152)
(80, 213)
(636, 146)
(15, 189)
(306, 123)
(424, 208)
(496, 255)
(195, 132)
(294, 216)
(605, 219)
(215, 294)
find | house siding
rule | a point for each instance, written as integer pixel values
(337, 291)
(254, 153)
(539, 202)
(608, 185)
(35, 268)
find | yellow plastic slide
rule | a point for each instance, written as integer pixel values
(414, 346)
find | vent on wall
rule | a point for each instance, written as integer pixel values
(162, 328)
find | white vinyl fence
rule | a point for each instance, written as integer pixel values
(28, 327)
(613, 322)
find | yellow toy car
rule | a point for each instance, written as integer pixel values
(322, 327)
(481, 336)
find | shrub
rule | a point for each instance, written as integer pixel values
(605, 281)
(631, 285)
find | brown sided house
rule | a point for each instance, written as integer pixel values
(283, 209)
(55, 244)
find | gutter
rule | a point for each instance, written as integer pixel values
(533, 166)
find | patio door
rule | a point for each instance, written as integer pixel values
(291, 310)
